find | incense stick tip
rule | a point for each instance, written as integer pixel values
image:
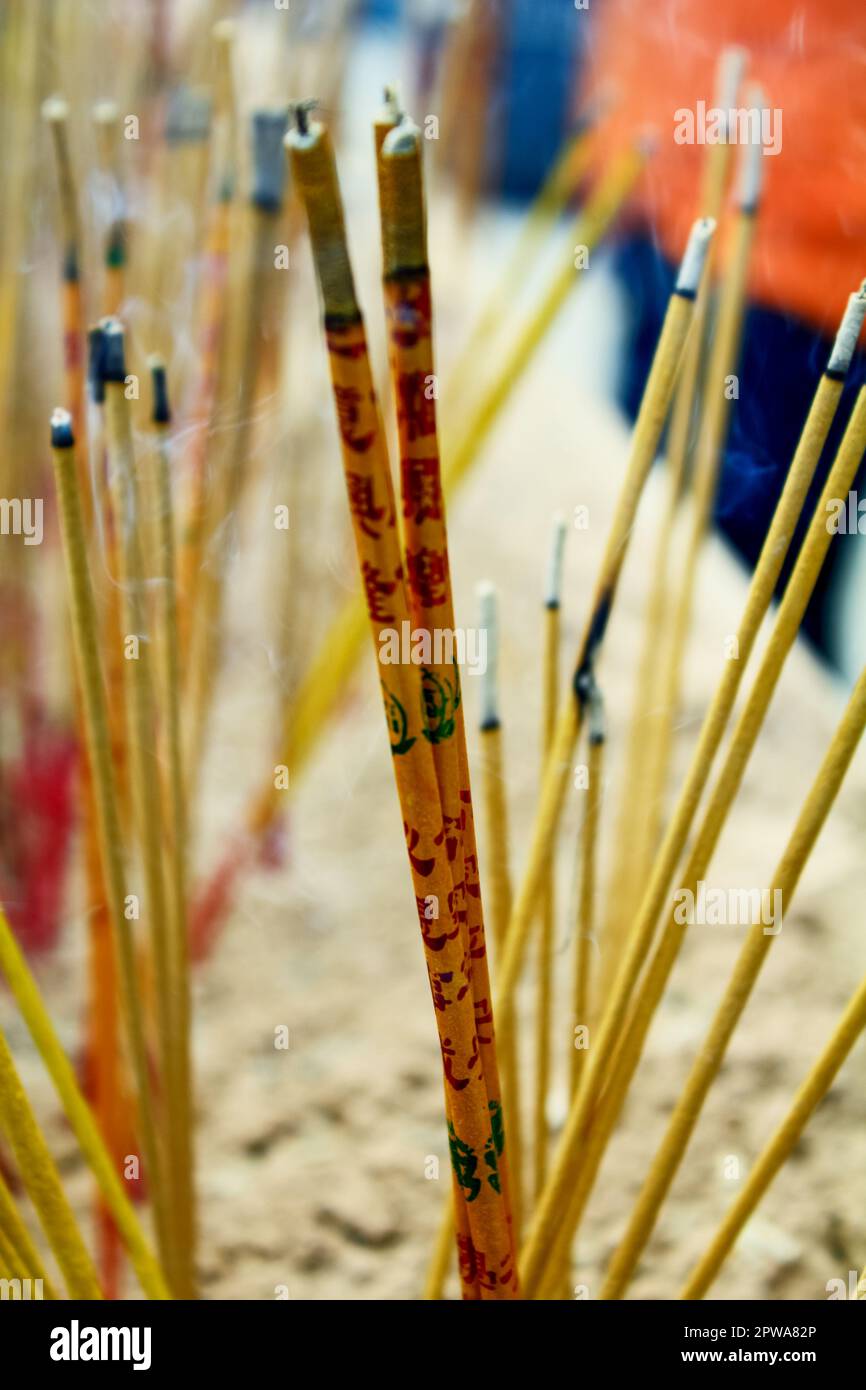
(112, 362)
(729, 75)
(488, 623)
(404, 139)
(750, 176)
(55, 110)
(392, 110)
(161, 411)
(269, 127)
(692, 264)
(62, 436)
(553, 584)
(596, 719)
(105, 113)
(848, 334)
(95, 355)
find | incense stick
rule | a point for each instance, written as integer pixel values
(493, 786)
(544, 987)
(99, 755)
(711, 1053)
(586, 912)
(40, 1177)
(106, 118)
(811, 1092)
(140, 709)
(429, 592)
(20, 1253)
(175, 854)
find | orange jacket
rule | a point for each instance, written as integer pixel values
(648, 58)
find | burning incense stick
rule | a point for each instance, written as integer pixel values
(474, 1127)
(544, 990)
(42, 1181)
(106, 118)
(429, 593)
(169, 673)
(99, 755)
(493, 787)
(55, 112)
(578, 1159)
(140, 708)
(585, 934)
(20, 1254)
(711, 1053)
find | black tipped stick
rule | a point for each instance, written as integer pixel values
(161, 413)
(113, 355)
(96, 355)
(62, 435)
(269, 127)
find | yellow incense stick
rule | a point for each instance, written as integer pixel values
(711, 1053)
(499, 875)
(781, 1145)
(42, 1181)
(140, 708)
(19, 1248)
(99, 755)
(544, 989)
(169, 681)
(586, 897)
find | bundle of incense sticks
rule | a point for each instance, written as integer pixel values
(422, 703)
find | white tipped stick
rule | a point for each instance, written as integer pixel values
(488, 622)
(750, 176)
(105, 113)
(849, 332)
(553, 586)
(403, 139)
(55, 110)
(729, 75)
(692, 265)
(392, 110)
